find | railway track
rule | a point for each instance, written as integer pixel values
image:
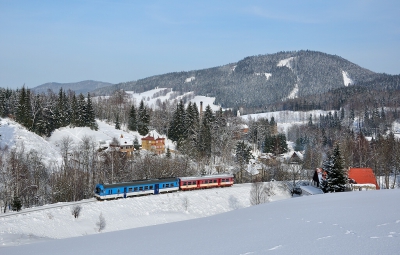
(45, 207)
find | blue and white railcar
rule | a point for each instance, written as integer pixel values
(136, 188)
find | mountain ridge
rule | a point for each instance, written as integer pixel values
(79, 87)
(255, 82)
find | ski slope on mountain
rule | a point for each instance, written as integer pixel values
(335, 223)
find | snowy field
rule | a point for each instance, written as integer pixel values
(286, 119)
(335, 223)
(124, 214)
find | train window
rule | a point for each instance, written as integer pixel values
(167, 185)
(118, 191)
(184, 183)
(194, 182)
(151, 187)
(215, 181)
(140, 188)
(189, 183)
(130, 190)
(172, 185)
(146, 187)
(110, 192)
(206, 181)
(135, 189)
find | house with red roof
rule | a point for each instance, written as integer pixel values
(362, 179)
(156, 145)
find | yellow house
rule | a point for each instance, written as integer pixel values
(155, 145)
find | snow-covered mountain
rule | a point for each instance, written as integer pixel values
(258, 81)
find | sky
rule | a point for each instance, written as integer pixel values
(122, 40)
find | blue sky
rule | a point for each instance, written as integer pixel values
(122, 40)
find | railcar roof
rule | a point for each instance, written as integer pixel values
(138, 182)
(206, 177)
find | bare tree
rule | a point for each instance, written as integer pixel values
(101, 224)
(76, 210)
(260, 193)
(185, 202)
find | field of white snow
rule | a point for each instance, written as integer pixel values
(336, 223)
(124, 213)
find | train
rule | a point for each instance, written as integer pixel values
(161, 185)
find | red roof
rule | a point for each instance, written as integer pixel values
(363, 176)
(148, 138)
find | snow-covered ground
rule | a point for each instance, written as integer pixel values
(346, 79)
(286, 119)
(125, 213)
(336, 223)
(13, 134)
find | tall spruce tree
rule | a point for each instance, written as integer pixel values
(74, 122)
(81, 111)
(336, 175)
(177, 125)
(117, 123)
(90, 115)
(143, 119)
(243, 156)
(132, 120)
(205, 133)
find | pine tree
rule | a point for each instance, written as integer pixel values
(143, 119)
(23, 112)
(132, 121)
(117, 123)
(16, 204)
(336, 176)
(282, 144)
(205, 141)
(268, 144)
(177, 125)
(90, 115)
(243, 156)
(74, 112)
(81, 111)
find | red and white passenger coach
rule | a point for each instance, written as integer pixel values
(204, 182)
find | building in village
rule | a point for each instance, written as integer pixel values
(124, 145)
(362, 179)
(156, 145)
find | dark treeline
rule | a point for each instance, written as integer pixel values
(43, 113)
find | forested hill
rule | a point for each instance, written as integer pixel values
(258, 81)
(78, 87)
